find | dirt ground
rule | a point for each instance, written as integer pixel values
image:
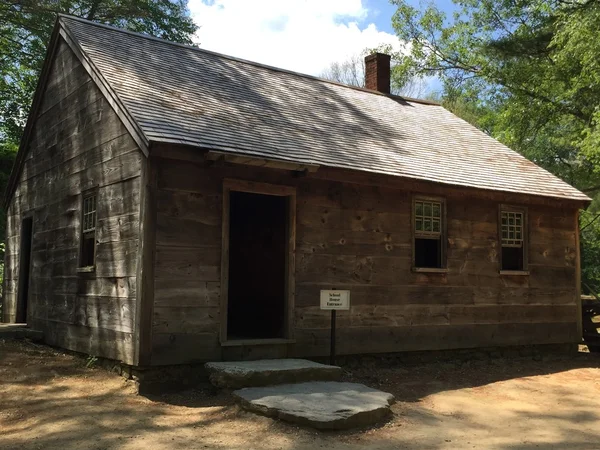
(52, 400)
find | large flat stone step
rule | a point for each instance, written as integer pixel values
(19, 331)
(325, 405)
(264, 372)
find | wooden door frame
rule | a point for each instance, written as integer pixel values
(253, 187)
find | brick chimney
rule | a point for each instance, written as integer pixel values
(377, 72)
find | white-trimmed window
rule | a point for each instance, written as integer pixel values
(429, 230)
(88, 229)
(513, 238)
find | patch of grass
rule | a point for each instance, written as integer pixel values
(91, 361)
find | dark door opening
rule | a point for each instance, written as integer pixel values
(257, 266)
(24, 269)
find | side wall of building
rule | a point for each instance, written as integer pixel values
(78, 144)
(356, 235)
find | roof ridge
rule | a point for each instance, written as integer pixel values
(247, 61)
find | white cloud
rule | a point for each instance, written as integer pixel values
(301, 35)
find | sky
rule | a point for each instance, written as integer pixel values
(301, 35)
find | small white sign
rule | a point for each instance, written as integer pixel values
(335, 300)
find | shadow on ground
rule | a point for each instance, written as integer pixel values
(49, 399)
(413, 382)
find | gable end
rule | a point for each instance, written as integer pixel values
(61, 33)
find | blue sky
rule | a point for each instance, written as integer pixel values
(381, 11)
(301, 35)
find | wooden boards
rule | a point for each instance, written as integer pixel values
(78, 143)
(356, 236)
(187, 274)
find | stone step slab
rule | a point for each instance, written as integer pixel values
(264, 372)
(325, 405)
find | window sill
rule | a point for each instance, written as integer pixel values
(430, 270)
(515, 272)
(86, 269)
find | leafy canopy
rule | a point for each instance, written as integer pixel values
(26, 26)
(525, 71)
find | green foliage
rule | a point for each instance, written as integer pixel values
(529, 69)
(91, 361)
(352, 72)
(590, 252)
(528, 73)
(26, 26)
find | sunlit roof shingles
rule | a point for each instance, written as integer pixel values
(182, 94)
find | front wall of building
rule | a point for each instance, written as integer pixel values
(358, 237)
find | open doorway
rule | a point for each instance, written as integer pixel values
(24, 269)
(258, 252)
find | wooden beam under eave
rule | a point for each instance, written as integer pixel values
(260, 162)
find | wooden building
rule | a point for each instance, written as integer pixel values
(172, 205)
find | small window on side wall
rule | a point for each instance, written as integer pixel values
(428, 231)
(513, 239)
(87, 258)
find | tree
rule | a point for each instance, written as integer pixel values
(352, 72)
(8, 151)
(25, 28)
(590, 252)
(527, 72)
(528, 66)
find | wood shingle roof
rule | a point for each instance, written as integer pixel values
(181, 94)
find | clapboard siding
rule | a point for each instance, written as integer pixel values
(78, 143)
(186, 316)
(345, 244)
(357, 236)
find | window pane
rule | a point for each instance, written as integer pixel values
(419, 209)
(428, 253)
(512, 229)
(87, 250)
(88, 224)
(427, 209)
(512, 258)
(428, 218)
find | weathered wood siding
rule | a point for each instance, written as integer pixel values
(187, 267)
(78, 143)
(357, 236)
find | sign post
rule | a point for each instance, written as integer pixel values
(334, 300)
(332, 339)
